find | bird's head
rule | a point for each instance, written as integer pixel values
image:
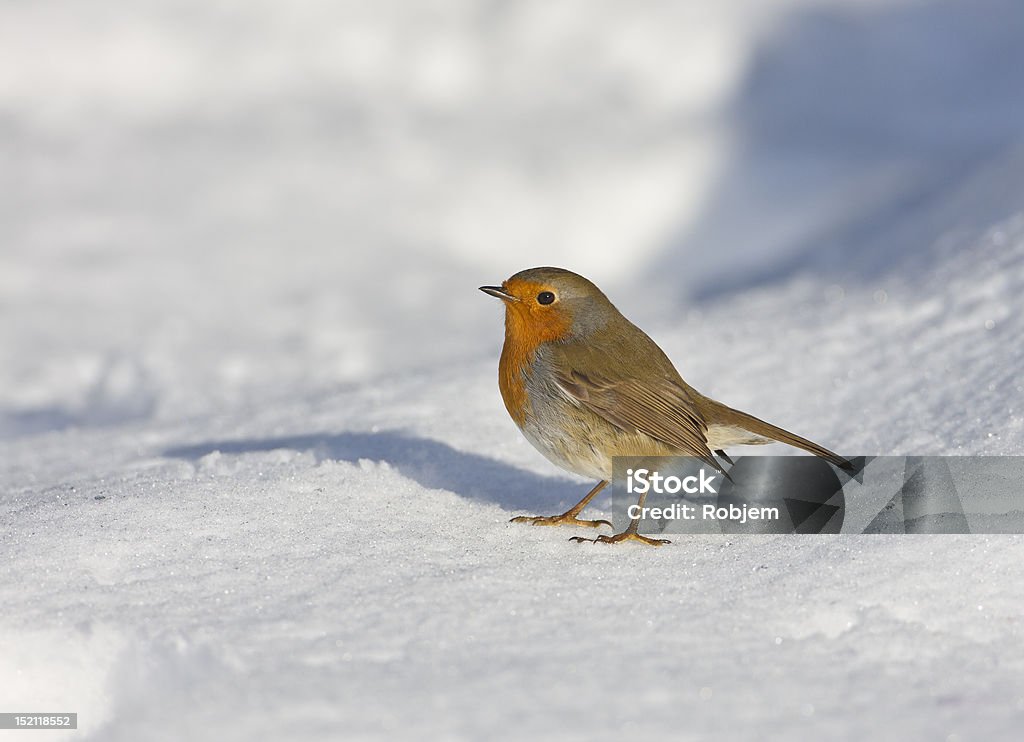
(551, 304)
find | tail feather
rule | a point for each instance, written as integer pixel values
(716, 413)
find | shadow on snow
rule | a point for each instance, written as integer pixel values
(431, 463)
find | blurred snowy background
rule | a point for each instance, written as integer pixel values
(241, 345)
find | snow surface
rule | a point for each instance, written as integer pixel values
(255, 475)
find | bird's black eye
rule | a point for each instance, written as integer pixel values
(545, 297)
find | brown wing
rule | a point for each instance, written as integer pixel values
(661, 409)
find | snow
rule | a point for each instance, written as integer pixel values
(255, 474)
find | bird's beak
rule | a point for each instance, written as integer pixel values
(499, 292)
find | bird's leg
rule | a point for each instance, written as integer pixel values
(630, 534)
(568, 518)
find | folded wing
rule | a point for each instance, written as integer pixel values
(660, 409)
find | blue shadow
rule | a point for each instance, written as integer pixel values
(431, 463)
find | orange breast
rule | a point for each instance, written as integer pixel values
(526, 327)
(516, 355)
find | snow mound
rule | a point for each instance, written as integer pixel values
(255, 474)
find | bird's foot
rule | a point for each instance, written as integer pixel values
(619, 537)
(565, 519)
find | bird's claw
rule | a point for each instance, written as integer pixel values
(559, 520)
(619, 537)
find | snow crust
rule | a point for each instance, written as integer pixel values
(255, 474)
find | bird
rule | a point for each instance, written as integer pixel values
(584, 384)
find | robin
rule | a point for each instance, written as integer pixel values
(584, 384)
